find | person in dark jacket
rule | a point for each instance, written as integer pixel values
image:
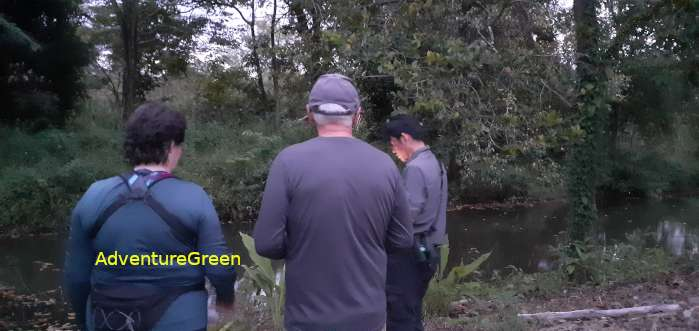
(331, 208)
(409, 271)
(168, 216)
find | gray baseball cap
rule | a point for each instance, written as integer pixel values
(333, 94)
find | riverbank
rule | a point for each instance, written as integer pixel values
(37, 311)
(640, 277)
(17, 231)
(618, 276)
(44, 173)
(666, 288)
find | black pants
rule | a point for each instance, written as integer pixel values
(406, 284)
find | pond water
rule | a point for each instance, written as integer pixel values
(520, 238)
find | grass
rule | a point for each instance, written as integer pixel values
(492, 304)
(43, 174)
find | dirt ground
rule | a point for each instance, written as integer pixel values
(42, 312)
(682, 289)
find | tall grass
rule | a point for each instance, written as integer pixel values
(42, 175)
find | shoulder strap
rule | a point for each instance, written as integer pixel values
(121, 200)
(179, 230)
(139, 187)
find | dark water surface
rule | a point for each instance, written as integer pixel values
(520, 238)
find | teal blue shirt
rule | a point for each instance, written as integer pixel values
(131, 231)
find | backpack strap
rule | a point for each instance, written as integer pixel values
(121, 200)
(139, 184)
(179, 230)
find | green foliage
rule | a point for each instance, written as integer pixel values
(231, 162)
(462, 271)
(494, 179)
(629, 261)
(164, 38)
(266, 279)
(646, 173)
(41, 61)
(443, 290)
(512, 116)
(229, 95)
(43, 174)
(585, 162)
(480, 83)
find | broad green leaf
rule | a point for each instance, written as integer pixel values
(460, 272)
(259, 278)
(444, 258)
(263, 263)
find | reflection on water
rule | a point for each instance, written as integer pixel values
(523, 238)
(23, 263)
(673, 235)
(520, 238)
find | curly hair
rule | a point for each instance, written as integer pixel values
(150, 131)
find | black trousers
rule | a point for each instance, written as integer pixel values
(407, 280)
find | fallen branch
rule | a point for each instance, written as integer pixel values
(595, 313)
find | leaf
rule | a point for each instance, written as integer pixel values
(259, 279)
(462, 271)
(226, 327)
(263, 263)
(434, 58)
(264, 277)
(444, 258)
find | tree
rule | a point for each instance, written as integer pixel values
(254, 43)
(155, 39)
(41, 61)
(496, 97)
(587, 153)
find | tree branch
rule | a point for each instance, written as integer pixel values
(594, 313)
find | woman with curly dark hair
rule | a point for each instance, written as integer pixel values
(128, 265)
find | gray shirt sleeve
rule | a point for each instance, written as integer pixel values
(400, 228)
(416, 188)
(270, 228)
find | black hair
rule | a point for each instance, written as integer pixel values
(150, 131)
(399, 124)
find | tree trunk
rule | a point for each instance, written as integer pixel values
(275, 64)
(521, 13)
(256, 57)
(316, 67)
(128, 19)
(272, 41)
(301, 10)
(586, 155)
(296, 9)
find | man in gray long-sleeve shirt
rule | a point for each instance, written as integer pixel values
(331, 207)
(409, 272)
